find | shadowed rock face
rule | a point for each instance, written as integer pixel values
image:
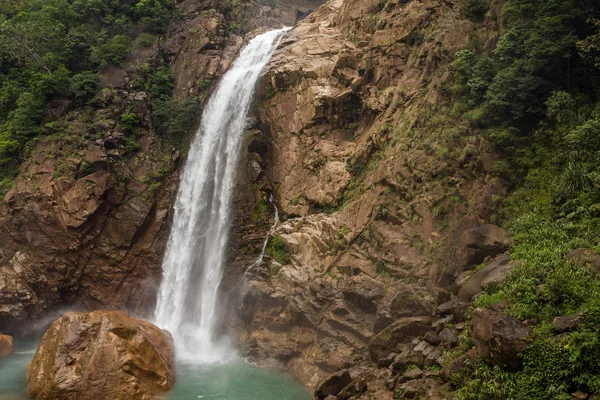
(83, 226)
(484, 241)
(102, 355)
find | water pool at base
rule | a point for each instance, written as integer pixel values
(12, 371)
(236, 380)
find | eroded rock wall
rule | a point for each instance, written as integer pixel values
(375, 193)
(88, 219)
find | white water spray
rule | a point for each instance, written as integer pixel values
(193, 264)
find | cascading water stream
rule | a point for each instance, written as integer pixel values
(193, 263)
(260, 258)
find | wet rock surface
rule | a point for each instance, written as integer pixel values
(333, 385)
(101, 355)
(6, 345)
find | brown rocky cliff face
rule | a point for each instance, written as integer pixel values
(88, 220)
(84, 225)
(375, 198)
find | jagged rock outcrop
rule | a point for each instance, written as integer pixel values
(484, 241)
(87, 220)
(370, 234)
(493, 273)
(333, 385)
(499, 338)
(401, 331)
(102, 355)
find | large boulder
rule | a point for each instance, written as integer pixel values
(498, 338)
(566, 323)
(586, 257)
(101, 355)
(6, 345)
(401, 331)
(493, 273)
(484, 241)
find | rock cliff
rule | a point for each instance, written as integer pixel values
(87, 221)
(375, 191)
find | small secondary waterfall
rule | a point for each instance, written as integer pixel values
(193, 264)
(261, 257)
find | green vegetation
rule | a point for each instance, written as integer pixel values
(276, 249)
(172, 118)
(536, 100)
(51, 50)
(553, 366)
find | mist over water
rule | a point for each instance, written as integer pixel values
(194, 260)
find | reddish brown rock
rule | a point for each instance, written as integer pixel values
(6, 345)
(499, 338)
(484, 241)
(495, 271)
(401, 331)
(566, 323)
(101, 355)
(333, 384)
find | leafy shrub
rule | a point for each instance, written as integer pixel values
(129, 121)
(553, 366)
(475, 9)
(276, 249)
(156, 81)
(174, 118)
(84, 86)
(154, 14)
(131, 146)
(6, 184)
(47, 52)
(145, 39)
(112, 51)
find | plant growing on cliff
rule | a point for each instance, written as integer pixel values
(51, 50)
(276, 249)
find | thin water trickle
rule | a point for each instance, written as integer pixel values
(193, 264)
(261, 256)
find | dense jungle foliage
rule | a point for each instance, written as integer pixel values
(536, 99)
(53, 49)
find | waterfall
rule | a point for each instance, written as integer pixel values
(193, 264)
